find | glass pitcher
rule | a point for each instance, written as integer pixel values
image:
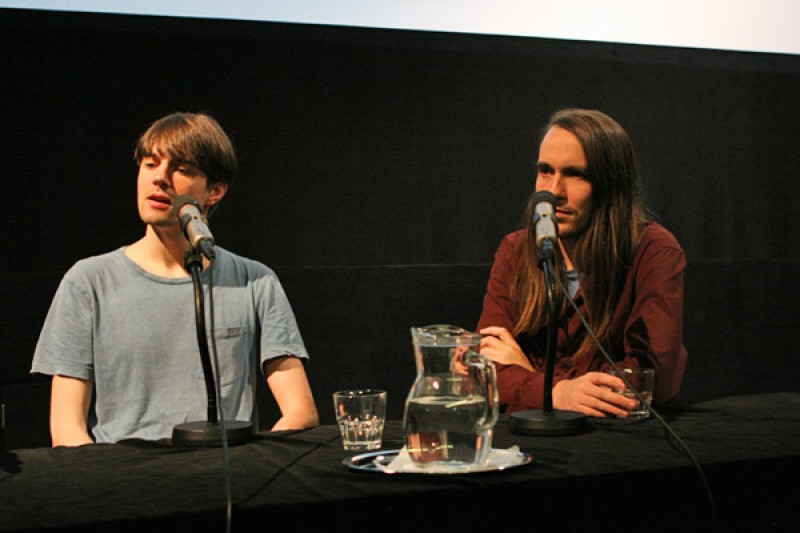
(452, 407)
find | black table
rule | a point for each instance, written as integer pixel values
(619, 476)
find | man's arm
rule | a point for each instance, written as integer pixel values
(286, 377)
(654, 327)
(69, 408)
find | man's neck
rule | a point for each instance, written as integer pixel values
(161, 252)
(567, 248)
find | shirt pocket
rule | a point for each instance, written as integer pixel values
(234, 346)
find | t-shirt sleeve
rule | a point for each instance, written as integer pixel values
(65, 342)
(280, 334)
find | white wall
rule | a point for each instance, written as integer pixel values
(761, 26)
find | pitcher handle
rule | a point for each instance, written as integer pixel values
(489, 376)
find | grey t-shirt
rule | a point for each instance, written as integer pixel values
(134, 335)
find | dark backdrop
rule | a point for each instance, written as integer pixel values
(369, 148)
(363, 146)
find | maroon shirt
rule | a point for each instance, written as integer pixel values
(646, 329)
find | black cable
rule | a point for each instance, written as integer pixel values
(667, 427)
(286, 467)
(223, 432)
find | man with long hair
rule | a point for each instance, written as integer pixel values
(624, 271)
(120, 337)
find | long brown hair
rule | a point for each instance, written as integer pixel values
(604, 252)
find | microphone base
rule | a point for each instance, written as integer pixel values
(207, 435)
(547, 423)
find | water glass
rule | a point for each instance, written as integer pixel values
(361, 415)
(642, 380)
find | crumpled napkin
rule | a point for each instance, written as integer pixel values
(497, 459)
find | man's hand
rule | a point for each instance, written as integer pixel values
(499, 345)
(592, 394)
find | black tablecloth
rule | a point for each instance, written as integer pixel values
(619, 476)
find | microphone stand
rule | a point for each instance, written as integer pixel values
(548, 421)
(210, 432)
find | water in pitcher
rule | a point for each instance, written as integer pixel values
(446, 430)
(452, 406)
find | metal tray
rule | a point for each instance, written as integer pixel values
(373, 461)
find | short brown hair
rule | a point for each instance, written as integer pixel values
(195, 138)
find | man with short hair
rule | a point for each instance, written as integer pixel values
(120, 337)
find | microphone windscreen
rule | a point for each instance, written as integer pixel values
(182, 200)
(544, 196)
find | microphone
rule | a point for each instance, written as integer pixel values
(547, 421)
(209, 432)
(194, 225)
(544, 224)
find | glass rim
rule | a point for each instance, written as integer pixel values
(444, 335)
(628, 370)
(350, 393)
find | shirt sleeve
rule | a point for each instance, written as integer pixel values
(518, 388)
(65, 342)
(654, 327)
(498, 308)
(280, 334)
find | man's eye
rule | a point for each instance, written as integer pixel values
(186, 171)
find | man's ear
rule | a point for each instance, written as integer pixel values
(216, 193)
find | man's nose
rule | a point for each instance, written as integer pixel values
(162, 176)
(555, 186)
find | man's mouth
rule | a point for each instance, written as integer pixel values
(160, 199)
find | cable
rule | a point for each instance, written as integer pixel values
(223, 432)
(682, 444)
(286, 467)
